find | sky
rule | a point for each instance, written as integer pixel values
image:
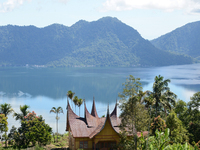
(151, 18)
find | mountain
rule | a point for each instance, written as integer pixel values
(105, 42)
(183, 40)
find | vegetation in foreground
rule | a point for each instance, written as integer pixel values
(62, 143)
(172, 124)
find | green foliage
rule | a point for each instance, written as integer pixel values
(125, 143)
(193, 118)
(134, 115)
(178, 146)
(56, 111)
(194, 130)
(62, 140)
(75, 100)
(33, 130)
(3, 123)
(181, 111)
(6, 109)
(128, 107)
(158, 124)
(131, 87)
(131, 116)
(24, 112)
(79, 103)
(37, 131)
(70, 94)
(159, 141)
(178, 134)
(163, 97)
(194, 107)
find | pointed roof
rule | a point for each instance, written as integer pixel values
(114, 113)
(70, 116)
(90, 125)
(91, 121)
(101, 126)
(94, 111)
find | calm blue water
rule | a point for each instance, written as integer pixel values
(44, 88)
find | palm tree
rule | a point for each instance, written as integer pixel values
(162, 94)
(56, 111)
(75, 100)
(24, 112)
(70, 94)
(79, 103)
(6, 109)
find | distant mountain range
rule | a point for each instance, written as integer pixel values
(183, 40)
(105, 42)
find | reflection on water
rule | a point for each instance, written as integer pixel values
(44, 88)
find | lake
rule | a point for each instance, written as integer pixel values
(44, 88)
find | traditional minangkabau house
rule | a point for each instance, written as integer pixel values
(92, 132)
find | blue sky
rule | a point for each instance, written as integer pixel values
(151, 18)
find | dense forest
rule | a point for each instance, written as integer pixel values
(183, 40)
(105, 42)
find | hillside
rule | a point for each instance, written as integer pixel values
(183, 40)
(105, 42)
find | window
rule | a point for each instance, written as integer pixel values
(83, 144)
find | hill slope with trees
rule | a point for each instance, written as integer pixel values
(183, 40)
(105, 42)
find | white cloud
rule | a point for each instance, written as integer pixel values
(166, 5)
(63, 1)
(9, 5)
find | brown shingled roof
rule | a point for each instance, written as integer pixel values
(91, 124)
(94, 111)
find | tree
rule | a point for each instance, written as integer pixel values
(194, 130)
(70, 95)
(56, 111)
(3, 124)
(80, 102)
(181, 110)
(164, 98)
(178, 133)
(193, 115)
(129, 99)
(194, 107)
(33, 130)
(36, 129)
(157, 124)
(24, 112)
(131, 88)
(75, 100)
(6, 109)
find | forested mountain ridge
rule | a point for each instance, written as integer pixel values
(105, 42)
(183, 40)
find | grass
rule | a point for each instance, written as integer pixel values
(54, 145)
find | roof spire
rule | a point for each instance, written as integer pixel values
(114, 113)
(94, 111)
(67, 102)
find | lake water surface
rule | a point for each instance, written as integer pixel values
(44, 88)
